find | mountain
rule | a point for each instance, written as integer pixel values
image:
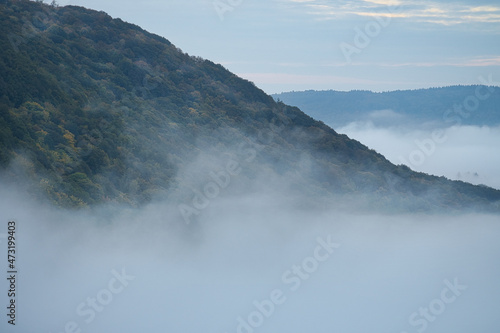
(96, 110)
(441, 107)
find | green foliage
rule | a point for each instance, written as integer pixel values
(99, 110)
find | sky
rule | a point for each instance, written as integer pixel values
(285, 45)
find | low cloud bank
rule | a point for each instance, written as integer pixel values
(467, 153)
(251, 264)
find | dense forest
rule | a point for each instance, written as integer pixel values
(96, 110)
(439, 107)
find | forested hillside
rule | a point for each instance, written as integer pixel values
(441, 107)
(94, 110)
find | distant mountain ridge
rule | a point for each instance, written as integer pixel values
(95, 110)
(442, 107)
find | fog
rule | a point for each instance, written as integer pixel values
(468, 153)
(249, 264)
(232, 251)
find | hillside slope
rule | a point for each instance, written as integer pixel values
(94, 110)
(441, 107)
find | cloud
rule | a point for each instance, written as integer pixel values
(434, 12)
(477, 61)
(133, 270)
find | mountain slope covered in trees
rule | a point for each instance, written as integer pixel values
(95, 110)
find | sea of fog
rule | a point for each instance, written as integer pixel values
(252, 264)
(467, 153)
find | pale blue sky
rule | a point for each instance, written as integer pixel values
(284, 45)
